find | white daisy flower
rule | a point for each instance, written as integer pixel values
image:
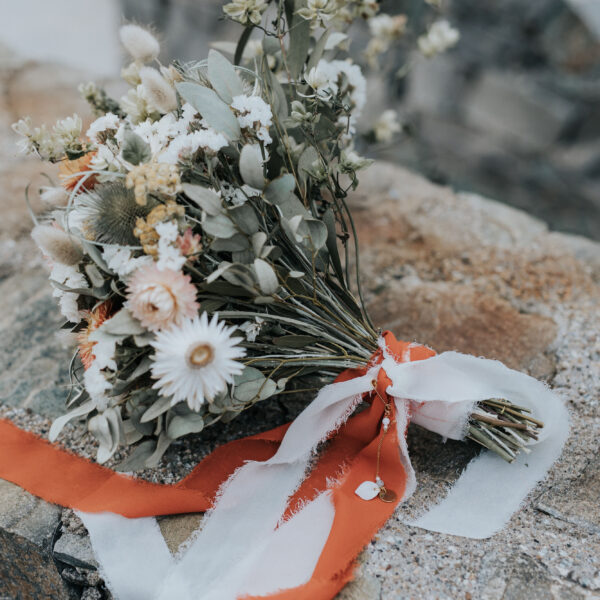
(196, 360)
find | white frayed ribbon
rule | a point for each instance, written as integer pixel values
(241, 550)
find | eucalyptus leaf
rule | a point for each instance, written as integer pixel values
(135, 417)
(216, 113)
(137, 459)
(245, 218)
(219, 226)
(278, 99)
(240, 274)
(218, 271)
(135, 149)
(131, 434)
(94, 275)
(222, 77)
(280, 192)
(258, 241)
(251, 166)
(161, 406)
(123, 323)
(164, 441)
(92, 292)
(299, 40)
(207, 199)
(305, 163)
(252, 385)
(94, 253)
(317, 233)
(60, 422)
(318, 50)
(236, 243)
(180, 426)
(245, 257)
(267, 278)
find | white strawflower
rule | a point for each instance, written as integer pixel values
(23, 127)
(320, 12)
(318, 80)
(193, 362)
(57, 244)
(158, 91)
(251, 329)
(351, 161)
(387, 27)
(54, 196)
(438, 39)
(246, 11)
(386, 126)
(107, 122)
(139, 42)
(48, 144)
(69, 128)
(331, 77)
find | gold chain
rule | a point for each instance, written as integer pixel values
(384, 494)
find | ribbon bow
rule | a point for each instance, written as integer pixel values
(290, 522)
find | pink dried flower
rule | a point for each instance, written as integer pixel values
(189, 243)
(159, 298)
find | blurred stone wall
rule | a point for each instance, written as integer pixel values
(512, 112)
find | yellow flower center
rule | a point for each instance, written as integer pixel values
(200, 355)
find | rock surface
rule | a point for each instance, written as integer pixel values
(455, 271)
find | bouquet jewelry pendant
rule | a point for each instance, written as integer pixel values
(368, 490)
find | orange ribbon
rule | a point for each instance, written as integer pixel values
(349, 456)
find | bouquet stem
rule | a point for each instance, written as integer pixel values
(503, 427)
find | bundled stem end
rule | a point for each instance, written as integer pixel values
(503, 427)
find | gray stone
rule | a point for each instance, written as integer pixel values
(27, 525)
(527, 581)
(92, 593)
(516, 110)
(75, 550)
(576, 500)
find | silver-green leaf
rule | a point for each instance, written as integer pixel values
(223, 77)
(216, 113)
(208, 200)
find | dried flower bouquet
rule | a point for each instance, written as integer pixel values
(200, 239)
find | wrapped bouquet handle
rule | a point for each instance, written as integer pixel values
(284, 520)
